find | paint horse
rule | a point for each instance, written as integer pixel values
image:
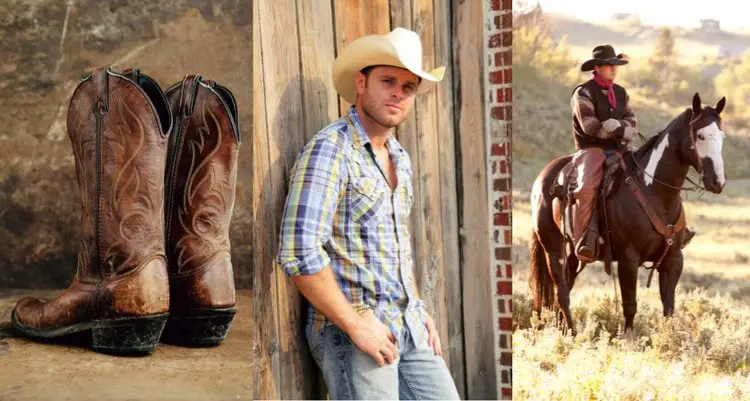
(640, 210)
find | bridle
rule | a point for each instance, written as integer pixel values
(699, 168)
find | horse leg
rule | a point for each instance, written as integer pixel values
(627, 269)
(562, 291)
(669, 274)
(571, 267)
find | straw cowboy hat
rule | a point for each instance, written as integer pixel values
(604, 54)
(400, 48)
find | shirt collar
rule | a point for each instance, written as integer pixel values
(360, 138)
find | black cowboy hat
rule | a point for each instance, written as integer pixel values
(604, 54)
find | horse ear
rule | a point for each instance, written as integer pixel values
(697, 103)
(720, 106)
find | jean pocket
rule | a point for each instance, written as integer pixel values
(317, 345)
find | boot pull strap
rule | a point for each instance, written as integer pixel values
(102, 89)
(188, 93)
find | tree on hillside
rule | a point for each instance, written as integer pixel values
(734, 83)
(665, 44)
(663, 77)
(664, 55)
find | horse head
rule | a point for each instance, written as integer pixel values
(702, 147)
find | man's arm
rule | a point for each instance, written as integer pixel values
(627, 124)
(629, 115)
(366, 332)
(585, 113)
(306, 224)
(318, 179)
(322, 290)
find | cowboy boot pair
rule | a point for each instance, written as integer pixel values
(123, 291)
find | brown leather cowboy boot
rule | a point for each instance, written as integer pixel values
(587, 244)
(200, 185)
(689, 234)
(118, 127)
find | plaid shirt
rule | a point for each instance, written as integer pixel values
(341, 211)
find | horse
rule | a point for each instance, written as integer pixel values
(637, 213)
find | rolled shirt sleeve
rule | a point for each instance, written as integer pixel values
(317, 181)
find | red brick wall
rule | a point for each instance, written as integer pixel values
(500, 108)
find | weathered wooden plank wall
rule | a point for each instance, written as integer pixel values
(295, 43)
(469, 26)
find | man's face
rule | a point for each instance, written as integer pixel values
(387, 94)
(608, 72)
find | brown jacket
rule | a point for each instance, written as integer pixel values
(591, 108)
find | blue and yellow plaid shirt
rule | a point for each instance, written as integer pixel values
(341, 211)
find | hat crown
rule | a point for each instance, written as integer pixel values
(604, 52)
(408, 46)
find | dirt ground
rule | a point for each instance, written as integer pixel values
(46, 371)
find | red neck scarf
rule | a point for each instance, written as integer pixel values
(608, 85)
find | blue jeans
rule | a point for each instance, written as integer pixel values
(349, 373)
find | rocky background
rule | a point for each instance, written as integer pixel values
(45, 47)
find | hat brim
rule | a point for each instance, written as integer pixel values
(369, 51)
(589, 65)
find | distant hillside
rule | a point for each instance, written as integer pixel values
(637, 40)
(542, 132)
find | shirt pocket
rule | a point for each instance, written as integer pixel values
(367, 200)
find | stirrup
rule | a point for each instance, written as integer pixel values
(689, 234)
(586, 255)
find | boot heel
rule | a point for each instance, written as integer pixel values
(199, 327)
(128, 335)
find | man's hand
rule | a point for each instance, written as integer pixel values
(629, 134)
(374, 338)
(611, 125)
(433, 338)
(366, 331)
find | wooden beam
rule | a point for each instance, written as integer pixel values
(356, 18)
(279, 335)
(430, 270)
(448, 181)
(317, 53)
(264, 280)
(468, 28)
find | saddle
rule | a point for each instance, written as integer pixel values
(564, 187)
(614, 168)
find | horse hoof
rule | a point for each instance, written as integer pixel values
(630, 336)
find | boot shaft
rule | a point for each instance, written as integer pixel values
(118, 126)
(201, 174)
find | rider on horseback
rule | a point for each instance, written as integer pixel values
(602, 122)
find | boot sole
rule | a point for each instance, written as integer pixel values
(123, 335)
(199, 327)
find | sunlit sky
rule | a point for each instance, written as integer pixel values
(654, 12)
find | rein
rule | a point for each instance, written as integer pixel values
(696, 187)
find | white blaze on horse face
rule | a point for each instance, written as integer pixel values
(653, 160)
(710, 147)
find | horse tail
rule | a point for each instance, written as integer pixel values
(540, 280)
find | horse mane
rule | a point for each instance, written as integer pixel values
(651, 142)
